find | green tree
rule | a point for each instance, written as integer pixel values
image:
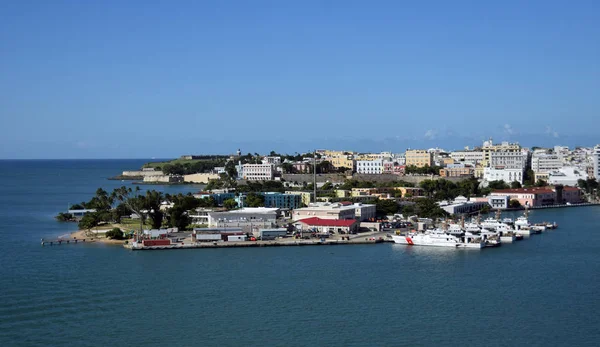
(230, 204)
(119, 212)
(428, 208)
(115, 234)
(64, 217)
(89, 221)
(515, 184)
(133, 201)
(498, 185)
(77, 207)
(408, 210)
(541, 183)
(151, 203)
(231, 170)
(386, 207)
(178, 217)
(327, 186)
(514, 204)
(255, 200)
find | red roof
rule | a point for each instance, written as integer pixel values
(345, 203)
(316, 221)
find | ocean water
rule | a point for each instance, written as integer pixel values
(539, 292)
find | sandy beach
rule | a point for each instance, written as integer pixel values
(82, 234)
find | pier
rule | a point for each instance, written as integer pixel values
(59, 241)
(370, 240)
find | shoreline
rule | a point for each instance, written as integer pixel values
(81, 234)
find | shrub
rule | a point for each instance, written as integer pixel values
(115, 234)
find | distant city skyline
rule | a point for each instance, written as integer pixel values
(116, 79)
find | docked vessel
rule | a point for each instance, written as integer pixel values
(439, 238)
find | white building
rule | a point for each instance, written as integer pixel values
(271, 160)
(364, 212)
(473, 157)
(543, 162)
(508, 160)
(499, 201)
(596, 161)
(462, 205)
(399, 158)
(257, 172)
(506, 175)
(372, 167)
(567, 176)
(247, 218)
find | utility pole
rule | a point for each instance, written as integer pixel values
(315, 174)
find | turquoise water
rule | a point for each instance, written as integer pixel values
(538, 292)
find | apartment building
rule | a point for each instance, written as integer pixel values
(596, 161)
(371, 167)
(258, 172)
(543, 162)
(419, 158)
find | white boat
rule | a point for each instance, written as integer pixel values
(522, 222)
(438, 238)
(508, 238)
(523, 232)
(508, 221)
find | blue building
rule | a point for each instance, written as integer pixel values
(280, 200)
(275, 199)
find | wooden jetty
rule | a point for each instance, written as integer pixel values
(53, 242)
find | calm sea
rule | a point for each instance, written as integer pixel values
(543, 291)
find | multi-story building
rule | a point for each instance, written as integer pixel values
(532, 197)
(342, 161)
(393, 168)
(271, 160)
(324, 211)
(304, 196)
(568, 176)
(258, 172)
(457, 172)
(596, 161)
(337, 210)
(374, 156)
(489, 148)
(372, 167)
(543, 162)
(419, 158)
(508, 160)
(499, 202)
(280, 200)
(472, 157)
(506, 175)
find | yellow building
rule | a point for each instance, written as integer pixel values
(479, 171)
(419, 158)
(341, 193)
(447, 161)
(340, 159)
(363, 191)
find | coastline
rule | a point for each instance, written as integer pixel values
(81, 234)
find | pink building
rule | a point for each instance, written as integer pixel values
(392, 168)
(541, 196)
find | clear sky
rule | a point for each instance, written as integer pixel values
(140, 79)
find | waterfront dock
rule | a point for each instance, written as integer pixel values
(60, 241)
(360, 240)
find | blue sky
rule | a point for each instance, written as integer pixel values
(133, 79)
